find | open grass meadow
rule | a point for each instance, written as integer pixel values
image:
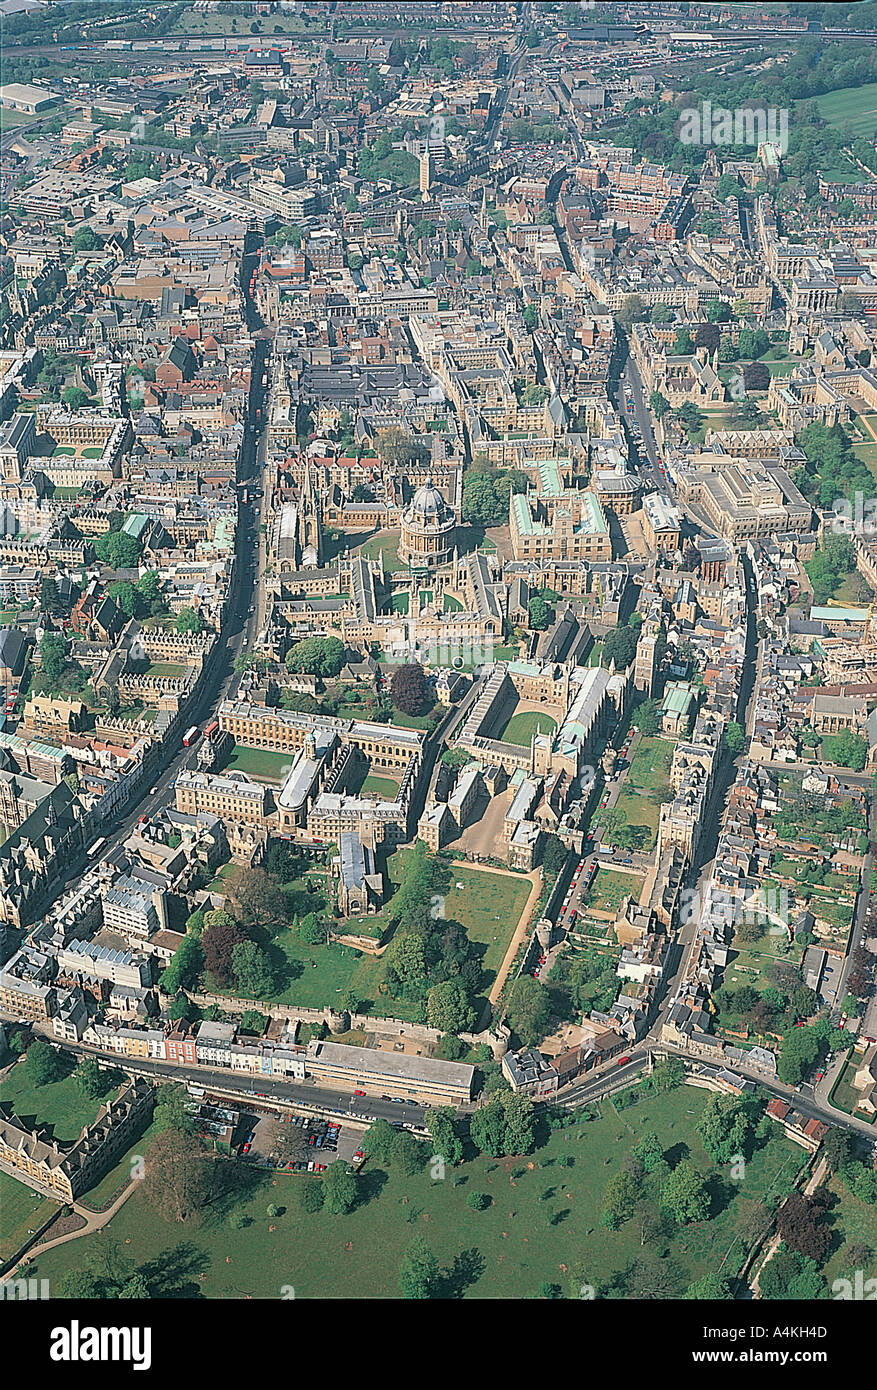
(851, 108)
(542, 1224)
(489, 907)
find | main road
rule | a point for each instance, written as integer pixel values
(250, 1090)
(239, 627)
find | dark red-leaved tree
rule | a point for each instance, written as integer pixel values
(217, 942)
(410, 690)
(707, 336)
(756, 376)
(800, 1222)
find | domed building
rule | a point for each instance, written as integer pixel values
(429, 529)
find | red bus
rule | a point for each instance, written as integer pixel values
(190, 735)
(212, 728)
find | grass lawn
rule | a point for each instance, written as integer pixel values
(165, 668)
(540, 1229)
(399, 603)
(66, 449)
(646, 785)
(225, 879)
(854, 108)
(411, 721)
(848, 590)
(844, 1095)
(609, 887)
(9, 118)
(451, 604)
(58, 1104)
(867, 454)
(489, 907)
(854, 1222)
(223, 22)
(92, 453)
(638, 810)
(749, 961)
(313, 987)
(386, 545)
(523, 724)
(259, 762)
(380, 786)
(650, 764)
(23, 1210)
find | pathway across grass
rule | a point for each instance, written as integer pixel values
(22, 1211)
(542, 1224)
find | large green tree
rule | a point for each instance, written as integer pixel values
(419, 1274)
(340, 1188)
(528, 1009)
(685, 1194)
(316, 656)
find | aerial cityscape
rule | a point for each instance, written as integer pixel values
(438, 649)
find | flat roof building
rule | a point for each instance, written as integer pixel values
(371, 1069)
(20, 96)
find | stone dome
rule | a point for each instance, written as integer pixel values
(428, 528)
(427, 504)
